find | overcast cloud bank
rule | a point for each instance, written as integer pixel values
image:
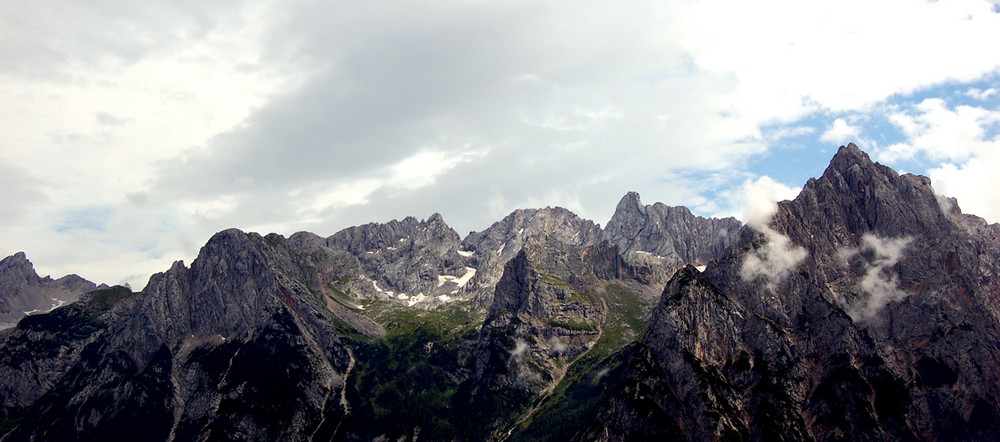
(174, 121)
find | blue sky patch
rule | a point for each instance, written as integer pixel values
(87, 218)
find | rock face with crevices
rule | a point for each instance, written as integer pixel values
(409, 262)
(268, 337)
(494, 247)
(230, 348)
(866, 309)
(555, 303)
(667, 238)
(673, 234)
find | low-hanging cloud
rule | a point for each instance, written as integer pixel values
(778, 255)
(879, 284)
(557, 345)
(774, 259)
(760, 200)
(520, 347)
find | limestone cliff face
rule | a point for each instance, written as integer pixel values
(409, 262)
(494, 247)
(862, 311)
(669, 237)
(556, 302)
(22, 291)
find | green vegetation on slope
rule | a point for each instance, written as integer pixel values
(415, 380)
(592, 376)
(410, 377)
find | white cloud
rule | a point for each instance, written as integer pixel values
(21, 193)
(520, 348)
(774, 259)
(424, 168)
(879, 284)
(760, 199)
(208, 209)
(557, 345)
(96, 94)
(789, 57)
(943, 134)
(777, 255)
(419, 170)
(973, 183)
(779, 134)
(176, 85)
(958, 139)
(979, 94)
(841, 132)
(339, 195)
(578, 120)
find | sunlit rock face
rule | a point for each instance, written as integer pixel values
(672, 236)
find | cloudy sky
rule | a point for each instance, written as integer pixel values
(130, 131)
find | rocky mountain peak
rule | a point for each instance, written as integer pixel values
(436, 219)
(494, 247)
(864, 311)
(22, 291)
(629, 218)
(630, 203)
(858, 196)
(234, 346)
(848, 155)
(417, 263)
(17, 258)
(177, 265)
(232, 289)
(377, 236)
(224, 242)
(17, 270)
(665, 235)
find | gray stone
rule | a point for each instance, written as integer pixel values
(22, 290)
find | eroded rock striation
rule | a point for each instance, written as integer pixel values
(672, 236)
(228, 348)
(883, 324)
(555, 304)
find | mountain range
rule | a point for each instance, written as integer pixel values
(866, 308)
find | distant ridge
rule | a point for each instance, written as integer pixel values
(22, 291)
